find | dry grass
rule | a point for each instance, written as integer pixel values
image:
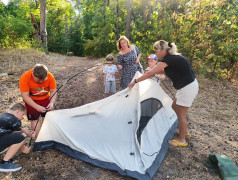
(212, 121)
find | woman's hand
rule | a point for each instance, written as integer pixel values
(119, 67)
(131, 84)
(138, 58)
(160, 76)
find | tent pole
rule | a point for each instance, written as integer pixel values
(61, 87)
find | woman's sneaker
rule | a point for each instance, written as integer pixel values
(9, 166)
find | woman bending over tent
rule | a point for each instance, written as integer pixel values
(178, 69)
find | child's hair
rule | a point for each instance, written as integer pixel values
(109, 57)
(17, 106)
(171, 48)
(40, 71)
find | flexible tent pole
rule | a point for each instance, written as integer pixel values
(60, 88)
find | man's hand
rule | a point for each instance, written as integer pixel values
(50, 107)
(41, 109)
(33, 134)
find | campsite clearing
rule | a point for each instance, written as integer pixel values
(212, 120)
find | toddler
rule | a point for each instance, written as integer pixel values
(109, 76)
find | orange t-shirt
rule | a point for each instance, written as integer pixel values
(37, 91)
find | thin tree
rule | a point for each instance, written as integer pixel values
(43, 31)
(36, 33)
(128, 19)
(116, 18)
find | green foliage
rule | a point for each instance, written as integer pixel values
(15, 31)
(59, 19)
(205, 31)
(76, 43)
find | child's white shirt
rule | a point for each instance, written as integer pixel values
(108, 70)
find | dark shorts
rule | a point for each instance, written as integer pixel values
(9, 139)
(33, 114)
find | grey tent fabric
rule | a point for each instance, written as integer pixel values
(105, 132)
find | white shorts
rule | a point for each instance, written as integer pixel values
(186, 95)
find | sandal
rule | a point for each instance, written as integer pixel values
(178, 144)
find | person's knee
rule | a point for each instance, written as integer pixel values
(25, 149)
(173, 106)
(23, 141)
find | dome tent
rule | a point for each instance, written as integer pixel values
(127, 132)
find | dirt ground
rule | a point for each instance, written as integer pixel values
(212, 120)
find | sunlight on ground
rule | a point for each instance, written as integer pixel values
(91, 80)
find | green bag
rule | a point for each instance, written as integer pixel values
(226, 167)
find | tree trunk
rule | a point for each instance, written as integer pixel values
(105, 8)
(128, 19)
(43, 31)
(149, 13)
(37, 5)
(36, 33)
(66, 29)
(116, 22)
(147, 10)
(144, 9)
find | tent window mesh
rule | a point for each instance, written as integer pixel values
(149, 108)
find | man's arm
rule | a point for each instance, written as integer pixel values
(28, 133)
(52, 101)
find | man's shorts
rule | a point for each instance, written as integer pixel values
(110, 87)
(33, 114)
(186, 95)
(9, 139)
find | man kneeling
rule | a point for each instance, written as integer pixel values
(12, 136)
